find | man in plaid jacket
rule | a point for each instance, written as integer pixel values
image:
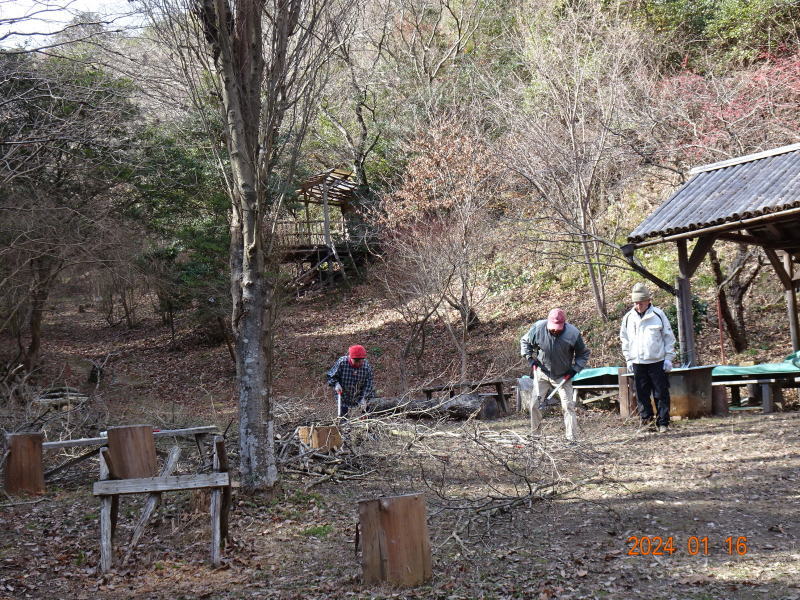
(351, 376)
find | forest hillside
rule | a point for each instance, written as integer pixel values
(205, 203)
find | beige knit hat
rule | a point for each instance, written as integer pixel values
(640, 293)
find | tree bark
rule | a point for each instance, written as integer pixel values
(732, 292)
(240, 65)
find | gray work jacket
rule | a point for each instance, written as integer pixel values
(558, 354)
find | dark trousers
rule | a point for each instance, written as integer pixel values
(650, 379)
(346, 406)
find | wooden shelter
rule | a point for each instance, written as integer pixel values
(753, 199)
(316, 243)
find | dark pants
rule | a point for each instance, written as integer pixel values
(346, 406)
(650, 380)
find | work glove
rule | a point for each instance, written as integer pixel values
(363, 405)
(667, 366)
(570, 374)
(534, 362)
(630, 366)
(337, 388)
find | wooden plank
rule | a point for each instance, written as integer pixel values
(185, 432)
(152, 502)
(216, 535)
(601, 397)
(102, 441)
(99, 441)
(752, 381)
(161, 484)
(219, 460)
(608, 386)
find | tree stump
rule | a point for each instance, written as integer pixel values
(396, 546)
(320, 438)
(24, 472)
(132, 451)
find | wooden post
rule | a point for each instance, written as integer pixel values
(791, 302)
(108, 509)
(222, 467)
(24, 472)
(766, 398)
(395, 543)
(719, 401)
(132, 450)
(627, 394)
(684, 302)
(220, 504)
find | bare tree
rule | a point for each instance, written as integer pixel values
(440, 224)
(267, 58)
(561, 139)
(46, 26)
(732, 287)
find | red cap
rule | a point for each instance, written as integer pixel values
(556, 319)
(357, 352)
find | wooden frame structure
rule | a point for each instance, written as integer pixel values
(753, 199)
(109, 491)
(33, 465)
(321, 243)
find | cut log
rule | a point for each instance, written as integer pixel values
(320, 438)
(132, 451)
(462, 406)
(410, 407)
(395, 543)
(24, 472)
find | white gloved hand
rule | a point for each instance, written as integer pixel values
(337, 388)
(630, 366)
(667, 366)
(363, 405)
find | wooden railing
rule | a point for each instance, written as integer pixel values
(308, 233)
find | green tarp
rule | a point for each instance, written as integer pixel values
(598, 372)
(790, 365)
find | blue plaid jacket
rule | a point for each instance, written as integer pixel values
(356, 383)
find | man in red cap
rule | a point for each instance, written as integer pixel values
(351, 380)
(556, 353)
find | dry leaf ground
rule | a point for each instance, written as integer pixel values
(708, 478)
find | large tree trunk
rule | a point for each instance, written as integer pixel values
(240, 65)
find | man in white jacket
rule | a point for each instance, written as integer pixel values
(648, 345)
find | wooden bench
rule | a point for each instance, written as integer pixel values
(770, 387)
(108, 491)
(31, 482)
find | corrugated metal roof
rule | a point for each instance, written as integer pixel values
(726, 192)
